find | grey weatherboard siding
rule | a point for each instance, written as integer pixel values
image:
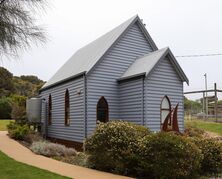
(76, 130)
(163, 80)
(102, 81)
(131, 100)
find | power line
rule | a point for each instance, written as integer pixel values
(199, 55)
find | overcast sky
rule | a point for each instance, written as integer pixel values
(188, 27)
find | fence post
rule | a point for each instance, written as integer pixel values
(204, 106)
(215, 100)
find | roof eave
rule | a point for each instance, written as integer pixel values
(180, 70)
(175, 64)
(149, 38)
(62, 81)
(132, 76)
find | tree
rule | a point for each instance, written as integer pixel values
(6, 85)
(192, 106)
(27, 85)
(5, 108)
(17, 25)
(18, 108)
(32, 79)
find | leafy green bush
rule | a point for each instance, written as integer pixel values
(51, 149)
(110, 147)
(5, 108)
(128, 149)
(11, 126)
(166, 155)
(17, 131)
(212, 155)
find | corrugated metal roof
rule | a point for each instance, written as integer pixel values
(144, 65)
(85, 58)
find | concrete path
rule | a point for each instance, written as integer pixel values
(20, 153)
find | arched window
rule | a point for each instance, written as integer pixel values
(102, 110)
(165, 108)
(67, 108)
(50, 110)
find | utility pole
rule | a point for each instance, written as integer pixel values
(215, 100)
(206, 102)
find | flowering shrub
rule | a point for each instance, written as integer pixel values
(51, 149)
(168, 155)
(125, 148)
(110, 147)
(212, 155)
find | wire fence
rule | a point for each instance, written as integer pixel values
(207, 108)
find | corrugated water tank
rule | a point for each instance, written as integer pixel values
(33, 110)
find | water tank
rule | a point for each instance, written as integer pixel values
(33, 110)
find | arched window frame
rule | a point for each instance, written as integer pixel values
(67, 108)
(165, 109)
(50, 110)
(106, 110)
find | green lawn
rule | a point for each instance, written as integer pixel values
(10, 168)
(3, 124)
(208, 126)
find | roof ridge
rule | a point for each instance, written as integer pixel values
(98, 38)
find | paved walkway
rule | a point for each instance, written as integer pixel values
(24, 155)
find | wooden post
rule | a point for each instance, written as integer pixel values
(204, 107)
(215, 100)
(203, 103)
(206, 101)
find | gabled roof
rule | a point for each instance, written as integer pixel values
(144, 65)
(85, 58)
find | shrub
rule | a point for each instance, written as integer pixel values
(5, 108)
(167, 155)
(192, 131)
(79, 159)
(33, 136)
(11, 126)
(212, 155)
(17, 131)
(110, 147)
(51, 149)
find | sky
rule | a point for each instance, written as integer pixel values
(188, 27)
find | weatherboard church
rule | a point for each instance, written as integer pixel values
(122, 75)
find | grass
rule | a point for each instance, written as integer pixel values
(208, 126)
(3, 124)
(12, 169)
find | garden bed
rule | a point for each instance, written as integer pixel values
(127, 149)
